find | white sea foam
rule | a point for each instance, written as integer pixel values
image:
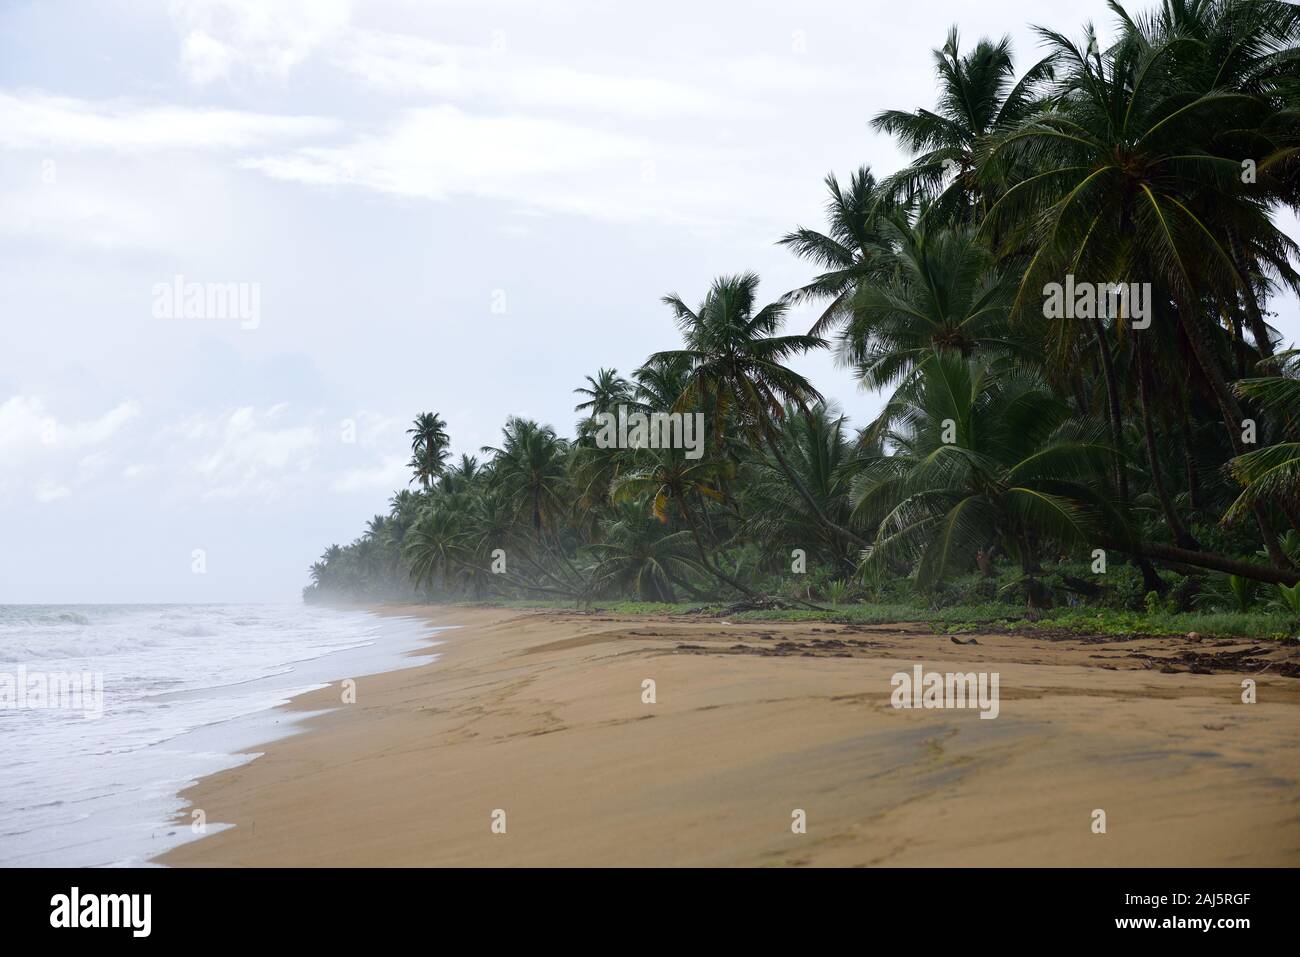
(185, 687)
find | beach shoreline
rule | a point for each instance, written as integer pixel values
(539, 721)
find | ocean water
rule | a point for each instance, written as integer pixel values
(184, 687)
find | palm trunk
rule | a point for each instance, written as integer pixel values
(1189, 465)
(1231, 412)
(1218, 563)
(704, 556)
(1182, 537)
(1258, 327)
(767, 428)
(1113, 412)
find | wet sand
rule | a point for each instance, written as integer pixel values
(540, 714)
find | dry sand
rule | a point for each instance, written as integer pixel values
(540, 714)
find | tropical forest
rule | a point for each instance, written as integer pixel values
(1065, 301)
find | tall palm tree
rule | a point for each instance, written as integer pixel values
(978, 95)
(1124, 161)
(459, 477)
(947, 295)
(429, 442)
(671, 484)
(605, 391)
(1272, 473)
(1247, 48)
(530, 468)
(737, 366)
(816, 446)
(853, 251)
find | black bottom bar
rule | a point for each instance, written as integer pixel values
(945, 907)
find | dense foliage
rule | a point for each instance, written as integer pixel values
(1039, 444)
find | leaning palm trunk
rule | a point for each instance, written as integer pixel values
(1258, 327)
(704, 556)
(767, 429)
(1232, 418)
(1218, 563)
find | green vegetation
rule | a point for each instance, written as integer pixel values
(1064, 297)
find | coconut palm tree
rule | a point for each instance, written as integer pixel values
(736, 367)
(978, 95)
(673, 486)
(429, 442)
(1246, 48)
(529, 468)
(605, 391)
(817, 448)
(641, 556)
(1272, 473)
(1124, 161)
(853, 251)
(981, 457)
(948, 295)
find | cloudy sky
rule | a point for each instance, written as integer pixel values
(462, 206)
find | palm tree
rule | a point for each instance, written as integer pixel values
(736, 366)
(530, 469)
(817, 448)
(1123, 164)
(670, 483)
(437, 547)
(978, 95)
(640, 556)
(605, 392)
(429, 442)
(854, 250)
(1273, 472)
(1246, 48)
(459, 477)
(981, 458)
(947, 296)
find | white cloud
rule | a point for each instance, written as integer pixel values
(51, 456)
(47, 492)
(38, 121)
(205, 58)
(389, 474)
(246, 451)
(437, 152)
(258, 453)
(536, 163)
(376, 429)
(265, 37)
(28, 429)
(402, 64)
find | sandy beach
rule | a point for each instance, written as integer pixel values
(540, 714)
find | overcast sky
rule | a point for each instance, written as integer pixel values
(454, 206)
